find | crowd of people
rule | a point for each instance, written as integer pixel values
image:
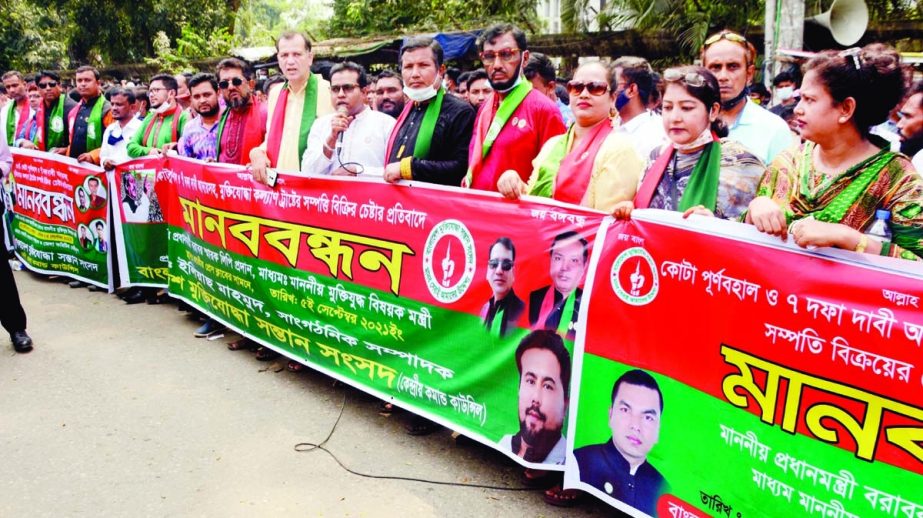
(838, 141)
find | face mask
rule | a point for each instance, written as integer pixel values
(420, 95)
(732, 103)
(160, 110)
(785, 93)
(621, 100)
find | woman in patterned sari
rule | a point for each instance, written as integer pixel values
(698, 172)
(826, 192)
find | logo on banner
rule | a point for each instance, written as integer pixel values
(634, 277)
(449, 260)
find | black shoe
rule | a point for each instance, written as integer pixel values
(21, 342)
(135, 297)
(76, 284)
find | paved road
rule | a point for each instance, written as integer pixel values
(119, 411)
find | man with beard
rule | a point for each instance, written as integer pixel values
(515, 120)
(117, 134)
(544, 388)
(352, 140)
(501, 313)
(389, 92)
(619, 466)
(200, 136)
(557, 306)
(17, 113)
(730, 57)
(910, 125)
(243, 123)
(164, 122)
(430, 140)
(292, 108)
(89, 118)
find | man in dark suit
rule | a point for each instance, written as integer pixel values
(502, 311)
(619, 466)
(557, 306)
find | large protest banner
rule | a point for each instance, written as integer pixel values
(140, 231)
(756, 379)
(390, 288)
(60, 222)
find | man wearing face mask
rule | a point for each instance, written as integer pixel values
(785, 86)
(351, 141)
(516, 120)
(730, 57)
(163, 124)
(634, 80)
(429, 143)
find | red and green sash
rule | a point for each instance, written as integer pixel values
(12, 127)
(490, 122)
(567, 312)
(424, 138)
(154, 122)
(565, 176)
(253, 131)
(94, 122)
(702, 188)
(52, 139)
(277, 124)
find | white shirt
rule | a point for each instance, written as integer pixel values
(364, 142)
(917, 161)
(118, 152)
(646, 133)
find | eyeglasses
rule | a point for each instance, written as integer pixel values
(489, 56)
(154, 90)
(49, 84)
(347, 88)
(236, 81)
(595, 88)
(693, 79)
(726, 35)
(505, 264)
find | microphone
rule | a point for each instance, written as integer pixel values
(342, 110)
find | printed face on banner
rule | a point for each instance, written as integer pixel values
(568, 264)
(83, 203)
(635, 421)
(501, 270)
(542, 404)
(137, 193)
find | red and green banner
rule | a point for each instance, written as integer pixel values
(140, 231)
(419, 295)
(60, 216)
(725, 374)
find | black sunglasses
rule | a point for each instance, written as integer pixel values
(505, 264)
(236, 81)
(50, 84)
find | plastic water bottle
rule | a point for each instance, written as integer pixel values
(880, 228)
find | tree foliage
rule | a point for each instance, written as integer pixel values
(356, 18)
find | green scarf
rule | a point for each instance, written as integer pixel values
(95, 125)
(428, 126)
(702, 188)
(55, 131)
(507, 106)
(11, 123)
(837, 208)
(308, 114)
(548, 170)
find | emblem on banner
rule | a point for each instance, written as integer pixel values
(634, 277)
(449, 260)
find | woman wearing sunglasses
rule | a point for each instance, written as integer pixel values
(827, 192)
(698, 172)
(590, 165)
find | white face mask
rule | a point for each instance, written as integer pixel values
(785, 93)
(160, 110)
(421, 94)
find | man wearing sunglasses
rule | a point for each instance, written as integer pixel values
(117, 134)
(243, 124)
(52, 132)
(513, 123)
(730, 57)
(501, 313)
(352, 140)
